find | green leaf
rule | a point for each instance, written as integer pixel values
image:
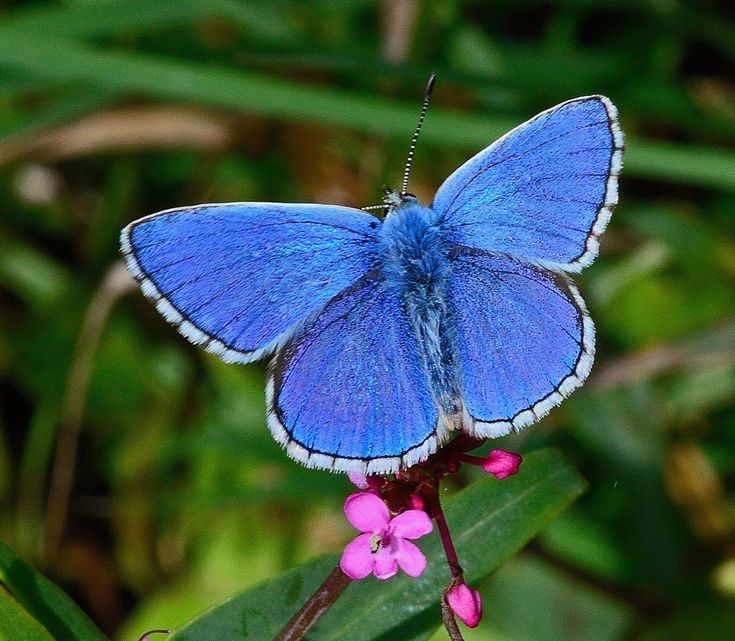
(684, 164)
(31, 275)
(99, 19)
(707, 621)
(564, 607)
(61, 60)
(17, 623)
(66, 106)
(44, 601)
(490, 520)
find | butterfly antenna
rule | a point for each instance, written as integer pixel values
(412, 148)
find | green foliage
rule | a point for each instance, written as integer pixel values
(112, 109)
(35, 608)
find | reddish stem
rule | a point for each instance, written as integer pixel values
(441, 523)
(319, 602)
(161, 631)
(448, 618)
(450, 622)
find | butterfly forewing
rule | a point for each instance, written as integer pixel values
(544, 191)
(238, 278)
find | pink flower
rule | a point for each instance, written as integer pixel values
(383, 546)
(368, 483)
(501, 463)
(466, 604)
(360, 480)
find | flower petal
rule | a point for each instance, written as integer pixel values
(411, 524)
(358, 479)
(466, 604)
(357, 559)
(410, 559)
(501, 463)
(385, 564)
(366, 512)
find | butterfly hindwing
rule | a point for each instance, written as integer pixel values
(240, 277)
(544, 191)
(523, 338)
(349, 392)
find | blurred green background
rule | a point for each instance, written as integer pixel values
(137, 471)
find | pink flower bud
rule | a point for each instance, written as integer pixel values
(466, 604)
(501, 463)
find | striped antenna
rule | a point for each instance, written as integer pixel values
(412, 148)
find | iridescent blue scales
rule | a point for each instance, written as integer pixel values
(390, 335)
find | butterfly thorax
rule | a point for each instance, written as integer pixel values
(414, 265)
(413, 255)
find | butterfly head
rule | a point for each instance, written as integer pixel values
(393, 199)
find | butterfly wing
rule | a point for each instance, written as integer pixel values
(349, 392)
(523, 337)
(544, 191)
(239, 278)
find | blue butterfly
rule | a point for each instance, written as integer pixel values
(388, 335)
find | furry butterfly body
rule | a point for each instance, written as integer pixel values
(390, 335)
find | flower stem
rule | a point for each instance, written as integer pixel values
(450, 623)
(319, 602)
(454, 567)
(161, 631)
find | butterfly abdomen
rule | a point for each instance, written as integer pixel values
(415, 266)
